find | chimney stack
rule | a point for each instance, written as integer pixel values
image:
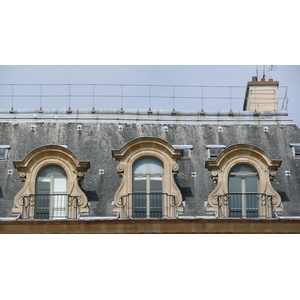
(261, 95)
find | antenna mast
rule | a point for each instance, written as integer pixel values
(262, 71)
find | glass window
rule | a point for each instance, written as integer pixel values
(4, 151)
(243, 192)
(214, 150)
(51, 189)
(147, 188)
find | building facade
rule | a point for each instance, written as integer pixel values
(144, 171)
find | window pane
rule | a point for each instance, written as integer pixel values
(2, 153)
(235, 184)
(235, 206)
(156, 198)
(43, 185)
(139, 206)
(242, 168)
(215, 151)
(139, 184)
(148, 165)
(59, 206)
(59, 184)
(156, 205)
(251, 184)
(52, 169)
(42, 203)
(156, 184)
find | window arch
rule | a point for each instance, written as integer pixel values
(148, 190)
(242, 175)
(51, 190)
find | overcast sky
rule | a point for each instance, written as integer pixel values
(207, 75)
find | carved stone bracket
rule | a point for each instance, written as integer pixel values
(23, 176)
(175, 169)
(80, 176)
(120, 169)
(272, 174)
(215, 175)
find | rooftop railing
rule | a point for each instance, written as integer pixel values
(126, 96)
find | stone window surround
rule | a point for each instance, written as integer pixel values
(147, 147)
(44, 156)
(254, 157)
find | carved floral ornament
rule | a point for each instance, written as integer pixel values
(147, 147)
(256, 158)
(45, 156)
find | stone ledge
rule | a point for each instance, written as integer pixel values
(167, 226)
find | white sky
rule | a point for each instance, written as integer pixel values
(139, 33)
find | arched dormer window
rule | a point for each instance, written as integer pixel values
(148, 190)
(51, 190)
(242, 175)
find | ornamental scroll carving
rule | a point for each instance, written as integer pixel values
(175, 169)
(23, 176)
(215, 175)
(272, 174)
(120, 169)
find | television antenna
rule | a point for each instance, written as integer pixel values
(262, 72)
